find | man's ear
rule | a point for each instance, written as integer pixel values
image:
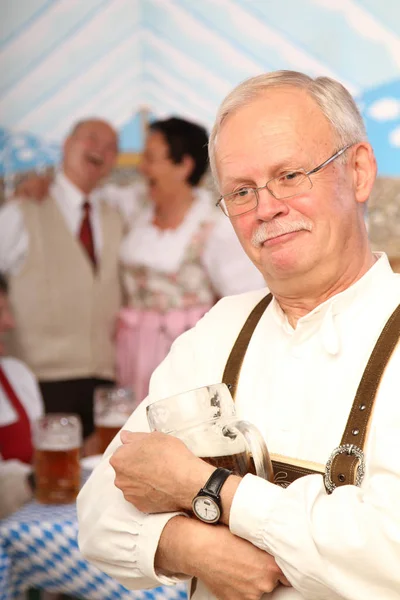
(364, 171)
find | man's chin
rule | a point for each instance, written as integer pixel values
(282, 263)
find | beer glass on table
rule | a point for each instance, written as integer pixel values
(57, 439)
(112, 407)
(205, 420)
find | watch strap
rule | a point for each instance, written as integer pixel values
(216, 481)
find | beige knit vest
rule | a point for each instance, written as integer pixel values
(64, 311)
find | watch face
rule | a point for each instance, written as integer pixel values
(206, 509)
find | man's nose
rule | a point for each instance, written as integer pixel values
(270, 207)
(101, 149)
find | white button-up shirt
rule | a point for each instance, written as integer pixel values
(297, 386)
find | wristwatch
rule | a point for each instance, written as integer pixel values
(206, 504)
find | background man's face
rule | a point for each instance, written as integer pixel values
(281, 131)
(90, 154)
(6, 319)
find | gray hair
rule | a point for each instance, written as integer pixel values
(78, 124)
(335, 102)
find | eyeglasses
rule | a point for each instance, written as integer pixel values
(287, 185)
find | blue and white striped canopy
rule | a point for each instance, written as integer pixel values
(62, 60)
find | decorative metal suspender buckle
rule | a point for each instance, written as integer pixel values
(349, 449)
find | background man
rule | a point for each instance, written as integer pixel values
(61, 257)
(294, 168)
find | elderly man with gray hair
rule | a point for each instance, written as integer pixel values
(316, 369)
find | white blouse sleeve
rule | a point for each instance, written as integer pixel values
(128, 199)
(230, 269)
(343, 546)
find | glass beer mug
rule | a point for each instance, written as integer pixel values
(112, 408)
(57, 439)
(205, 420)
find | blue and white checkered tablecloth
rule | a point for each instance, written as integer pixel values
(39, 549)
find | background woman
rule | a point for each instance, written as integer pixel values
(180, 256)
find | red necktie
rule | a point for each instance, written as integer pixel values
(85, 232)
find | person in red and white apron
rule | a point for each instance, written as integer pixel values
(20, 405)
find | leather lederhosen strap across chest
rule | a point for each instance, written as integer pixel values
(346, 465)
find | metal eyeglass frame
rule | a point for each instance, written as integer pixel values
(256, 190)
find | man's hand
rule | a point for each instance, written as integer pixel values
(34, 186)
(230, 567)
(157, 472)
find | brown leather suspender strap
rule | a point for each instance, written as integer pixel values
(346, 464)
(235, 360)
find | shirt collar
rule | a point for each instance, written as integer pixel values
(321, 320)
(70, 193)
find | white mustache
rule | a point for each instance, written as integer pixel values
(272, 229)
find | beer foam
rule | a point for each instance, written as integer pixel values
(211, 442)
(57, 445)
(111, 421)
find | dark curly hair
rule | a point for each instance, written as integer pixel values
(185, 138)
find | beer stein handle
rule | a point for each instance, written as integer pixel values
(257, 447)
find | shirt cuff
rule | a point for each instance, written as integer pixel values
(149, 548)
(254, 500)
